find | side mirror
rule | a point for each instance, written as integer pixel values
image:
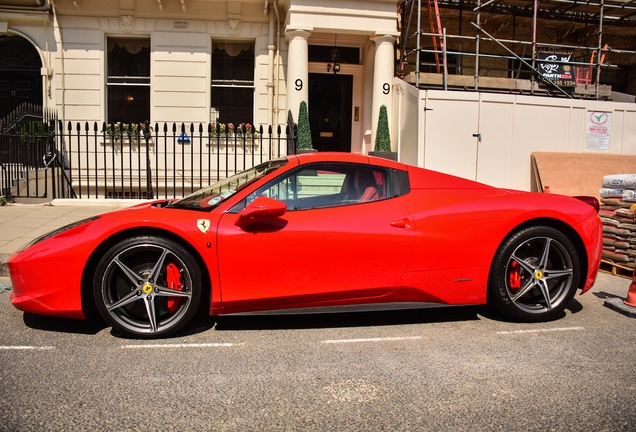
(261, 209)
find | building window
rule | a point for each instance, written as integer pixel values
(232, 83)
(128, 83)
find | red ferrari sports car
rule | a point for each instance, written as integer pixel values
(315, 232)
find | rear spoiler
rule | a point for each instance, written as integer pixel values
(589, 200)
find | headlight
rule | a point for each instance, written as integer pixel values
(57, 231)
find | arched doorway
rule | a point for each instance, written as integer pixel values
(20, 74)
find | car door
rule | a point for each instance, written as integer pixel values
(327, 246)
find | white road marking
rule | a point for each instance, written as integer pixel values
(384, 339)
(185, 345)
(26, 347)
(558, 329)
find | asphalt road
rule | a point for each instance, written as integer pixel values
(445, 369)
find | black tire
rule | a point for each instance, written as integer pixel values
(147, 287)
(534, 275)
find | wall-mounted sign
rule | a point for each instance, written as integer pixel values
(597, 130)
(555, 66)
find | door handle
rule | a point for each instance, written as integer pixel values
(402, 223)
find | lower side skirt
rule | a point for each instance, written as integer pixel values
(374, 307)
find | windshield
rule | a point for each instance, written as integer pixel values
(211, 196)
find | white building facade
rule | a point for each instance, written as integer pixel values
(211, 61)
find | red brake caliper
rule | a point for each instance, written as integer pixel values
(515, 275)
(173, 278)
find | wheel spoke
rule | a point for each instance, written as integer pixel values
(543, 263)
(524, 264)
(169, 292)
(555, 274)
(132, 275)
(152, 313)
(523, 290)
(154, 274)
(130, 298)
(545, 292)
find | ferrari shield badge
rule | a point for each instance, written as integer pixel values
(203, 225)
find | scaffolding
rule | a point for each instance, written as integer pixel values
(547, 47)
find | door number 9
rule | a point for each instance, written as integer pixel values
(298, 84)
(386, 88)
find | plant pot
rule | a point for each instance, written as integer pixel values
(386, 155)
(305, 151)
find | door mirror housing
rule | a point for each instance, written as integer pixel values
(260, 210)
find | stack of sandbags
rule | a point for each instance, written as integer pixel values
(618, 213)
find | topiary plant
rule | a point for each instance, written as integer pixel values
(382, 136)
(304, 132)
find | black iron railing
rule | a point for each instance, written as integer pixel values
(92, 160)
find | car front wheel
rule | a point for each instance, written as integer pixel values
(147, 287)
(534, 274)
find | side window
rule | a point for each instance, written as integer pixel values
(307, 188)
(327, 185)
(398, 183)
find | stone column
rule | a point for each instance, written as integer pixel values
(297, 70)
(383, 72)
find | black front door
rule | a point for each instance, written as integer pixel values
(330, 111)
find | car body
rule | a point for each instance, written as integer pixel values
(315, 232)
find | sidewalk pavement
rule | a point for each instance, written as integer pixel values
(21, 223)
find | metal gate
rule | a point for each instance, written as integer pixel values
(30, 170)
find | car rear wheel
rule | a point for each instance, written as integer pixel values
(534, 274)
(147, 287)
